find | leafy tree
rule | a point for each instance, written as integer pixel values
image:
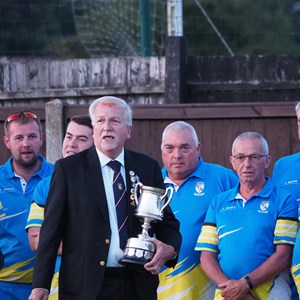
(249, 27)
(38, 28)
(94, 28)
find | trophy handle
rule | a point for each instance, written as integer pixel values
(169, 198)
(137, 188)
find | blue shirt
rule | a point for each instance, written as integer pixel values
(36, 213)
(296, 263)
(18, 257)
(189, 204)
(245, 236)
(286, 174)
(36, 219)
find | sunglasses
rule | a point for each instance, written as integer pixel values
(16, 116)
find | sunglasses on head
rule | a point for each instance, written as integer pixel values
(16, 116)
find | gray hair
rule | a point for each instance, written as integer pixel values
(297, 107)
(252, 136)
(182, 125)
(114, 100)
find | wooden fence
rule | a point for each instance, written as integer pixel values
(216, 124)
(140, 80)
(174, 79)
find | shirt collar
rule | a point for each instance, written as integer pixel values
(265, 192)
(42, 172)
(104, 160)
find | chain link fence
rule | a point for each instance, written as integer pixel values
(114, 28)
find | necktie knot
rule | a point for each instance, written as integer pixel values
(115, 165)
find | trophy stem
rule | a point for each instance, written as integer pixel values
(146, 226)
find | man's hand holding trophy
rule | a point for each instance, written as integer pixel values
(150, 203)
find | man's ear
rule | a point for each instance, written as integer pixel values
(268, 161)
(129, 132)
(6, 141)
(231, 161)
(199, 148)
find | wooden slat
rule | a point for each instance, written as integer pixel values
(217, 126)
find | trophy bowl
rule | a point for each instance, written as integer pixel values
(150, 203)
(138, 251)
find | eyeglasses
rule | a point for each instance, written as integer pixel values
(18, 115)
(252, 157)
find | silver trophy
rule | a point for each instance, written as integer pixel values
(150, 202)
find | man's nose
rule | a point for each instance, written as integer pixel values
(26, 141)
(177, 153)
(72, 143)
(106, 125)
(247, 161)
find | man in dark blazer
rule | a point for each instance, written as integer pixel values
(80, 211)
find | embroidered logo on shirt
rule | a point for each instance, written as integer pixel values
(228, 208)
(7, 189)
(199, 187)
(264, 205)
(294, 181)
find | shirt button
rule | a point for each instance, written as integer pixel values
(102, 263)
(107, 241)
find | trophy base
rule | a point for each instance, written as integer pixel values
(138, 252)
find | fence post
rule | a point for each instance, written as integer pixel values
(175, 54)
(54, 124)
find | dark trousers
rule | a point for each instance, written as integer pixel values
(118, 284)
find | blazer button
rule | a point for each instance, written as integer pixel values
(107, 241)
(102, 263)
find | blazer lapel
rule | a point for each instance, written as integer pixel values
(130, 165)
(95, 182)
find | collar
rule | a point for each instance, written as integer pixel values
(265, 192)
(104, 160)
(42, 172)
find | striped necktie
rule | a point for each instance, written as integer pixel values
(120, 202)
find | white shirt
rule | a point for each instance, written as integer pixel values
(22, 181)
(115, 253)
(175, 185)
